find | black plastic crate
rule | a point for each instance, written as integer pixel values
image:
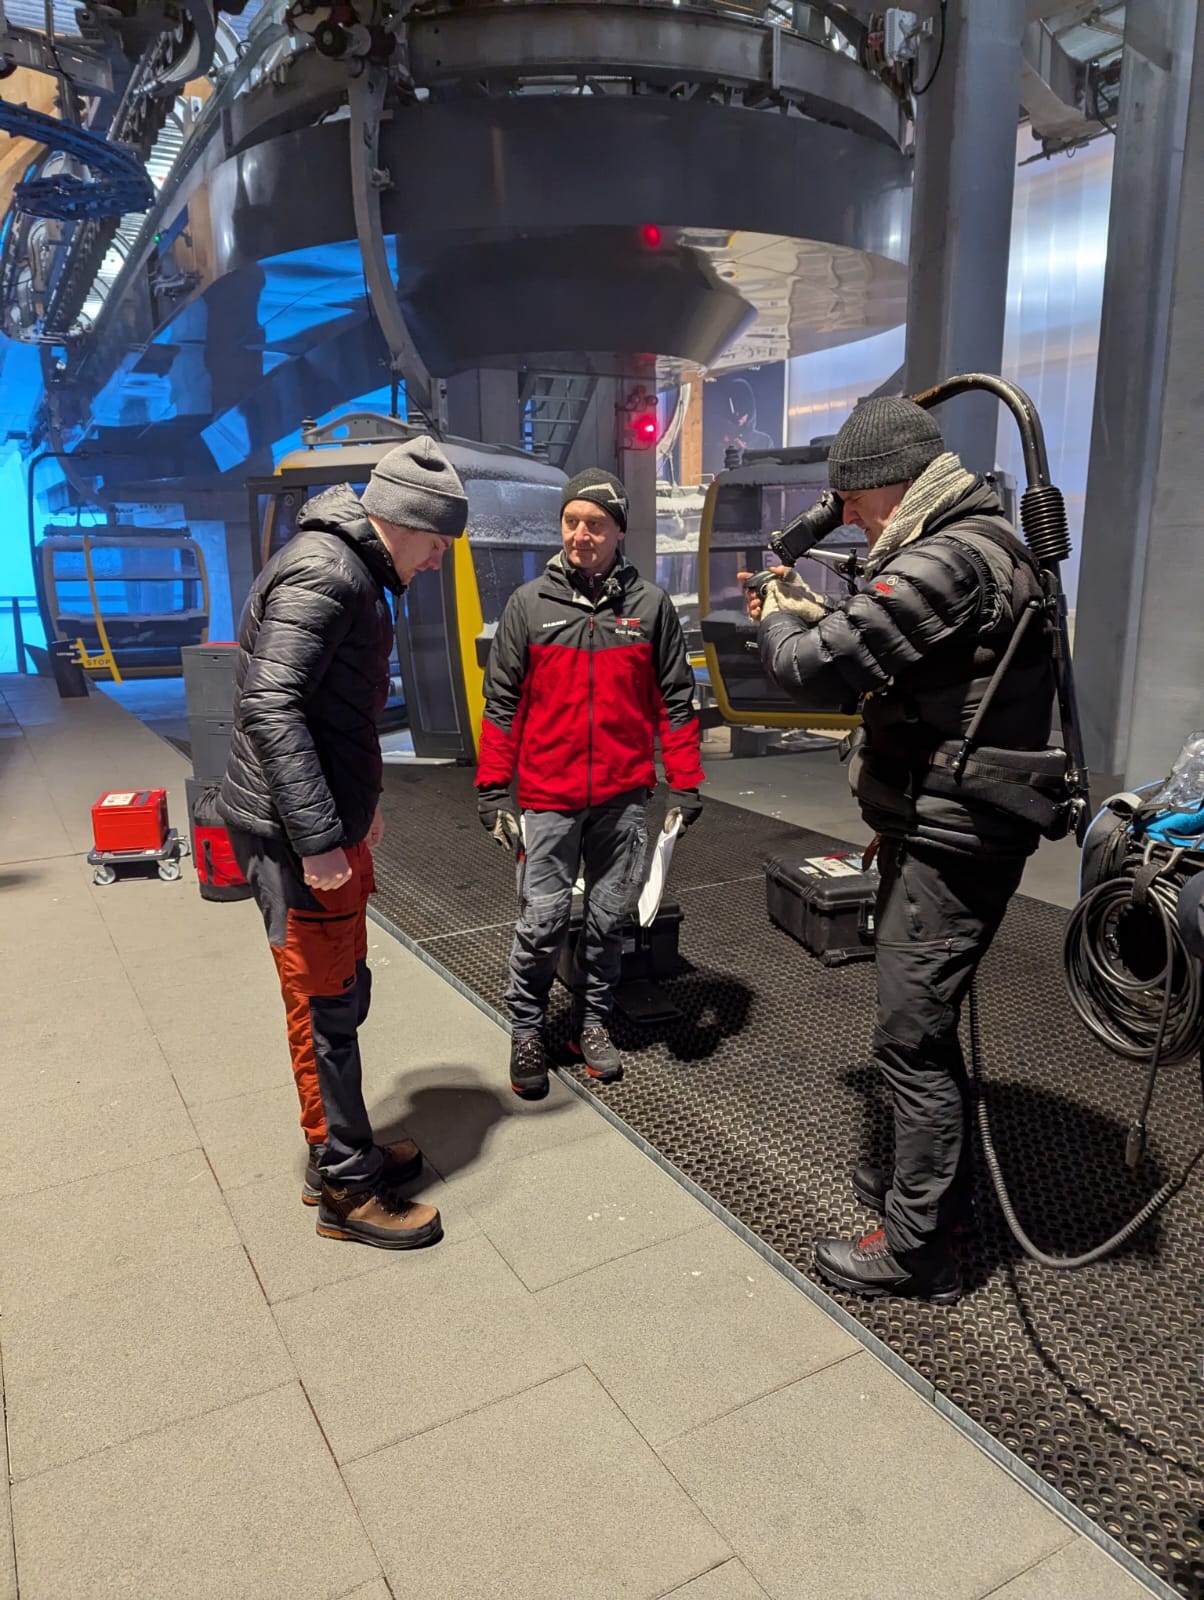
(209, 741)
(209, 671)
(832, 916)
(647, 952)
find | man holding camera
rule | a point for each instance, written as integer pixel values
(588, 666)
(921, 652)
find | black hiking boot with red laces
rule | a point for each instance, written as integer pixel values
(602, 1060)
(871, 1183)
(528, 1068)
(870, 1267)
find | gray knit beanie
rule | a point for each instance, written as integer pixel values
(416, 486)
(886, 440)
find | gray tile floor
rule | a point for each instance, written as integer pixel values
(589, 1389)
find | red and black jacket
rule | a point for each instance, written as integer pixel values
(577, 688)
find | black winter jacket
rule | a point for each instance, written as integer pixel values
(915, 651)
(313, 676)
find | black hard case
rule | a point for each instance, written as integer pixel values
(832, 917)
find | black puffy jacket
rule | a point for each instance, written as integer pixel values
(915, 651)
(313, 677)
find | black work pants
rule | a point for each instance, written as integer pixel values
(610, 842)
(936, 918)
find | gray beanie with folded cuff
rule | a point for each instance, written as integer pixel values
(415, 486)
(888, 439)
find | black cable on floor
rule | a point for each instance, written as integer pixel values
(1158, 1018)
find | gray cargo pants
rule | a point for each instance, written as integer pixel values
(611, 840)
(936, 918)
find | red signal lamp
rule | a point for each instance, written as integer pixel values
(643, 430)
(651, 236)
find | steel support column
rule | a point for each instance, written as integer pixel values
(962, 212)
(599, 443)
(1139, 644)
(483, 404)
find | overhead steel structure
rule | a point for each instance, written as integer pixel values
(439, 156)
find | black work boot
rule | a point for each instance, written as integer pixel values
(594, 1047)
(869, 1186)
(528, 1068)
(871, 1183)
(402, 1161)
(377, 1215)
(870, 1267)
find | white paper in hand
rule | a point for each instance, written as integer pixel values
(658, 871)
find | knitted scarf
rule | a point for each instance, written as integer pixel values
(937, 488)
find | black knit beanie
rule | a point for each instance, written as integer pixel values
(886, 440)
(602, 488)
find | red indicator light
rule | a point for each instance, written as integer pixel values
(651, 235)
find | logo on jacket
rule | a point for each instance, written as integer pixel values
(556, 622)
(629, 627)
(887, 584)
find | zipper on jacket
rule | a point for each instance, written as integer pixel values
(589, 749)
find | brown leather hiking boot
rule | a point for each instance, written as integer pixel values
(378, 1216)
(402, 1161)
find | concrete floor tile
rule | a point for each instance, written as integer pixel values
(378, 1590)
(232, 996)
(254, 1137)
(464, 1119)
(94, 1130)
(144, 915)
(290, 1256)
(80, 1035)
(1079, 1571)
(76, 1239)
(223, 1065)
(848, 1485)
(546, 1495)
(242, 1504)
(57, 914)
(93, 1371)
(561, 1211)
(224, 988)
(690, 1329)
(448, 1331)
(731, 1581)
(8, 1563)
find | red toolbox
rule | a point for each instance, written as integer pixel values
(130, 819)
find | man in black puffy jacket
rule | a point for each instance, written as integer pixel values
(947, 581)
(301, 799)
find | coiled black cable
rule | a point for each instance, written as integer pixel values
(1128, 1014)
(1134, 1013)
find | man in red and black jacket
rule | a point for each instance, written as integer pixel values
(587, 668)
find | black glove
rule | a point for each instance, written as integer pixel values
(496, 811)
(689, 803)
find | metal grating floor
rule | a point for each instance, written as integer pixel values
(763, 1094)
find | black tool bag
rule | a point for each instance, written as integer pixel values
(831, 916)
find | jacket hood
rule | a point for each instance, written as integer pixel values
(339, 511)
